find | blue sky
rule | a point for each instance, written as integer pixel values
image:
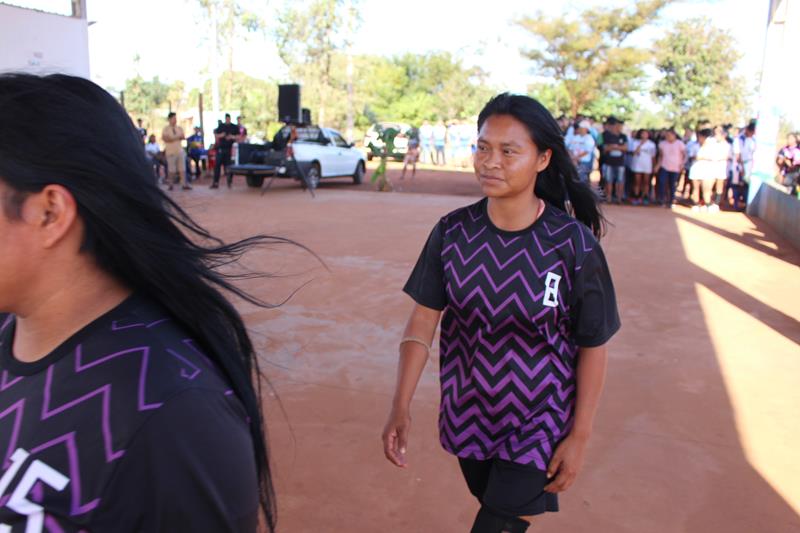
(169, 37)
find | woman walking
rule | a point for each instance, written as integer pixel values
(642, 160)
(129, 377)
(528, 308)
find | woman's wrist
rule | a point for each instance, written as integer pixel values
(580, 434)
(400, 405)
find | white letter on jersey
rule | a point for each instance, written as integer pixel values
(37, 471)
(551, 289)
(17, 458)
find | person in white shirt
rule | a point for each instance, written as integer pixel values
(643, 156)
(581, 149)
(692, 146)
(153, 152)
(744, 149)
(426, 142)
(709, 168)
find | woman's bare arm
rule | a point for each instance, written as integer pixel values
(413, 357)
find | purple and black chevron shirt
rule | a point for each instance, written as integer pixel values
(517, 307)
(125, 427)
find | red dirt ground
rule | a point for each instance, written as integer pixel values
(698, 427)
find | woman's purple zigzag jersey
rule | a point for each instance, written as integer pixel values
(507, 353)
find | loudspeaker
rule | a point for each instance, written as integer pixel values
(289, 103)
(306, 116)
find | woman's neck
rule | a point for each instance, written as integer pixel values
(63, 306)
(514, 213)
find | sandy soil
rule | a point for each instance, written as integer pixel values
(698, 427)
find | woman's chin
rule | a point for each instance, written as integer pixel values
(493, 188)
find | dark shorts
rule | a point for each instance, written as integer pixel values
(508, 489)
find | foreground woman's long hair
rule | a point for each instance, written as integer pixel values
(65, 130)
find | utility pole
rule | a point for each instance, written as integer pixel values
(214, 59)
(349, 44)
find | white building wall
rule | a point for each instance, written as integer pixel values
(39, 42)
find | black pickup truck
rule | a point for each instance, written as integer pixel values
(314, 153)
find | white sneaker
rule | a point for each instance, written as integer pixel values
(695, 208)
(713, 208)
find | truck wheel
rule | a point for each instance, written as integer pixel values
(313, 175)
(358, 177)
(255, 181)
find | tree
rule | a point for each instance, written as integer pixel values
(696, 62)
(412, 88)
(142, 96)
(588, 56)
(308, 37)
(256, 99)
(227, 19)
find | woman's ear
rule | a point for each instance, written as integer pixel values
(544, 160)
(55, 212)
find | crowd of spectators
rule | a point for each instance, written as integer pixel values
(181, 159)
(706, 168)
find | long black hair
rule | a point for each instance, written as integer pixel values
(558, 184)
(64, 130)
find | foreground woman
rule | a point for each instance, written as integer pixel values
(528, 308)
(126, 378)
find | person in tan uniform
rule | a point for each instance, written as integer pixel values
(172, 135)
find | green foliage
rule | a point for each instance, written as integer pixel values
(309, 36)
(142, 96)
(379, 174)
(588, 58)
(256, 99)
(696, 62)
(412, 88)
(553, 96)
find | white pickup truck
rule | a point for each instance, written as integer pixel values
(309, 154)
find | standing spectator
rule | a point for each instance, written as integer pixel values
(172, 135)
(225, 135)
(412, 155)
(615, 144)
(196, 149)
(671, 155)
(452, 142)
(154, 154)
(643, 157)
(464, 141)
(789, 163)
(439, 139)
(563, 124)
(692, 147)
(581, 150)
(744, 149)
(426, 141)
(142, 130)
(709, 168)
(720, 153)
(242, 137)
(601, 160)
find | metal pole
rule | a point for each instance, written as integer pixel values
(350, 106)
(200, 108)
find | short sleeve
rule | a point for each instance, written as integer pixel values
(191, 467)
(426, 284)
(595, 318)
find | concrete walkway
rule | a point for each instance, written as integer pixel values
(698, 429)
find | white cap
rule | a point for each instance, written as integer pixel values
(584, 124)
